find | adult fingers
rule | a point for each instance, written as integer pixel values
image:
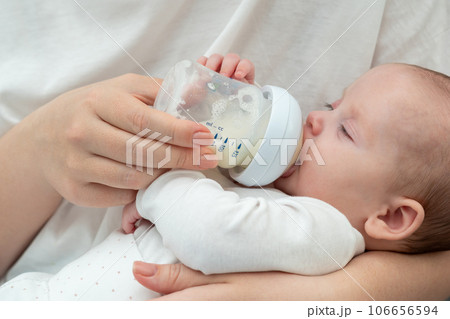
(97, 195)
(183, 283)
(179, 282)
(104, 171)
(156, 154)
(170, 278)
(151, 149)
(145, 88)
(129, 114)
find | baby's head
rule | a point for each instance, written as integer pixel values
(386, 147)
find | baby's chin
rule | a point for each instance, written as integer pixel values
(287, 184)
(279, 183)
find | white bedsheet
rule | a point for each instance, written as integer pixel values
(318, 47)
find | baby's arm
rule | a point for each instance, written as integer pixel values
(217, 231)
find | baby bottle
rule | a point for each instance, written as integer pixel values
(257, 131)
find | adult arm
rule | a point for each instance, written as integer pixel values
(75, 147)
(374, 275)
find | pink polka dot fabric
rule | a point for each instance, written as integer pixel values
(103, 273)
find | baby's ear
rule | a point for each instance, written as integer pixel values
(396, 221)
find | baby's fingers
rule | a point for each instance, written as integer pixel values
(214, 62)
(229, 64)
(245, 71)
(130, 216)
(202, 60)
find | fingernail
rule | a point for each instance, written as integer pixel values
(239, 74)
(144, 269)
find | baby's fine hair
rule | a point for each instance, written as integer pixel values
(428, 179)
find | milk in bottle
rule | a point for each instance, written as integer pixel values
(241, 117)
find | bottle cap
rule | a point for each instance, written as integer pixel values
(279, 146)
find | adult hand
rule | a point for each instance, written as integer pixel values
(373, 275)
(79, 140)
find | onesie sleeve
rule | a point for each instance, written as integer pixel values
(215, 230)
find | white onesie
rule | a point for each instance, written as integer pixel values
(207, 227)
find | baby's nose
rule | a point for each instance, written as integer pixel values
(314, 122)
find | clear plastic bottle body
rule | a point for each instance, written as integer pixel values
(236, 113)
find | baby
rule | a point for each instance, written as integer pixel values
(385, 185)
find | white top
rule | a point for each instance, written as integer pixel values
(208, 226)
(49, 47)
(235, 229)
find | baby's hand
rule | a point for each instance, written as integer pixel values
(230, 66)
(130, 216)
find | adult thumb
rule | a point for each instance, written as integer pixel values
(170, 278)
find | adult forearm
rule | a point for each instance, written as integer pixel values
(26, 199)
(393, 276)
(373, 275)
